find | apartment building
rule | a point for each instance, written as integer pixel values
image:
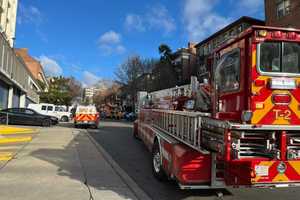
(208, 45)
(283, 13)
(35, 68)
(8, 18)
(17, 85)
(89, 93)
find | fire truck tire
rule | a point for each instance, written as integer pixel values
(157, 167)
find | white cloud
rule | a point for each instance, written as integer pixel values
(120, 49)
(29, 14)
(159, 18)
(134, 22)
(110, 37)
(110, 43)
(89, 79)
(51, 67)
(155, 18)
(200, 19)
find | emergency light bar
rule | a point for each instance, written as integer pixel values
(277, 35)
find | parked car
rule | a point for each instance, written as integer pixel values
(52, 110)
(26, 116)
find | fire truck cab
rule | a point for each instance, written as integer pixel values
(250, 135)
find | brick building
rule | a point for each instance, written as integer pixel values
(34, 66)
(208, 45)
(184, 61)
(283, 13)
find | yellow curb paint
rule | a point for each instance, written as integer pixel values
(14, 140)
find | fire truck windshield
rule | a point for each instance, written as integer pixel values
(279, 57)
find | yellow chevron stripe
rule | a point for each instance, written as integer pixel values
(295, 165)
(259, 114)
(280, 178)
(294, 106)
(256, 89)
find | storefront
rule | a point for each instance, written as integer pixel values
(3, 95)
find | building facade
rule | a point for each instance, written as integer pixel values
(16, 80)
(184, 62)
(8, 18)
(207, 46)
(89, 93)
(283, 13)
(35, 67)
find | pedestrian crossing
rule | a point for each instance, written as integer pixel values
(12, 139)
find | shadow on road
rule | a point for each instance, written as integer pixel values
(132, 156)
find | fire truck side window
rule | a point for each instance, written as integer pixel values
(228, 72)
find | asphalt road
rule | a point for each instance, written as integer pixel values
(132, 156)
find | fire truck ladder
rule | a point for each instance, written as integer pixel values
(185, 127)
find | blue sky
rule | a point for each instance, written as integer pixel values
(88, 39)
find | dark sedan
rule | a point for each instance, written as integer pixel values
(25, 116)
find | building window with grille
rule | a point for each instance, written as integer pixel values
(283, 8)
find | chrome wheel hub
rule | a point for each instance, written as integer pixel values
(157, 162)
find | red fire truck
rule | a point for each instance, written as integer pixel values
(249, 135)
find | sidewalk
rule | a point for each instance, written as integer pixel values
(62, 163)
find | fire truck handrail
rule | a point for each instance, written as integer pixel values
(185, 113)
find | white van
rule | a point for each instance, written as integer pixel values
(52, 110)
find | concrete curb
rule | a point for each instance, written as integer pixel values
(139, 193)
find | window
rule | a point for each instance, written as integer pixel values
(50, 108)
(44, 107)
(283, 8)
(280, 57)
(56, 108)
(228, 72)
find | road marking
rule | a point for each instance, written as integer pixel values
(8, 130)
(5, 156)
(14, 140)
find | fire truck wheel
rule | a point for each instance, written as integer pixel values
(157, 167)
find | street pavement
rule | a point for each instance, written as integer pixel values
(106, 163)
(131, 155)
(63, 163)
